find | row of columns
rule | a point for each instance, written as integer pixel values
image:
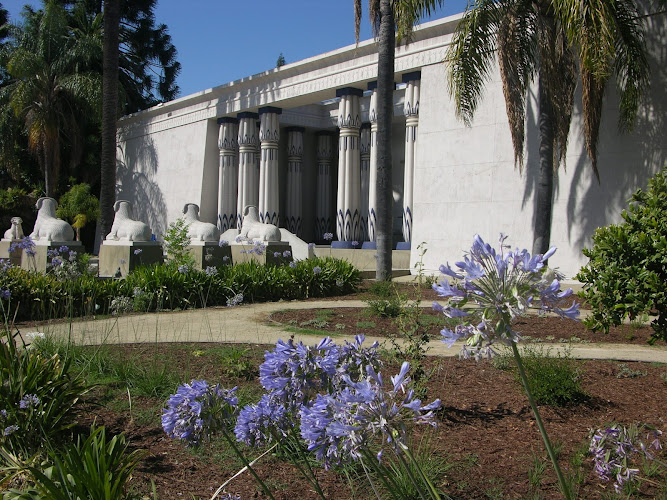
(254, 180)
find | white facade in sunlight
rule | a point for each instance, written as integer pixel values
(300, 138)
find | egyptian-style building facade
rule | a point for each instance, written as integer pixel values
(299, 142)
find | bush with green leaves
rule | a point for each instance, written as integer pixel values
(79, 207)
(38, 296)
(627, 269)
(176, 242)
(553, 380)
(38, 396)
(95, 468)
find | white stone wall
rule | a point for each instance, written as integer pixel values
(161, 172)
(466, 183)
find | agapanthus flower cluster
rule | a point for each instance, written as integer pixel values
(5, 264)
(235, 300)
(197, 410)
(293, 375)
(613, 447)
(183, 269)
(342, 425)
(328, 236)
(29, 401)
(63, 263)
(317, 270)
(223, 243)
(211, 271)
(490, 289)
(120, 305)
(26, 244)
(5, 294)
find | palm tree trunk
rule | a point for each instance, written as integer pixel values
(385, 90)
(545, 186)
(109, 115)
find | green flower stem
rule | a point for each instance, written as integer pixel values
(431, 487)
(547, 443)
(247, 464)
(310, 475)
(411, 475)
(381, 471)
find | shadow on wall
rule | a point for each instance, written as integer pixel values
(625, 161)
(136, 169)
(645, 154)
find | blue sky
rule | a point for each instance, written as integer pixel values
(219, 41)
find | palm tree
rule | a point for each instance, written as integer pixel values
(50, 89)
(109, 115)
(392, 21)
(544, 40)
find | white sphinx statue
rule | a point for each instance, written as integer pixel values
(124, 227)
(47, 226)
(198, 230)
(16, 231)
(253, 229)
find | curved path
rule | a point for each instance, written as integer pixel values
(250, 324)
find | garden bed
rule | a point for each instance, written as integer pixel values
(486, 445)
(362, 320)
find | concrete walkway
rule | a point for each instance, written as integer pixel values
(251, 324)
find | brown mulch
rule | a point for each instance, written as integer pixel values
(487, 435)
(361, 320)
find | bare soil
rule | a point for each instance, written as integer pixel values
(486, 436)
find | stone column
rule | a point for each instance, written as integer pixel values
(325, 155)
(228, 175)
(269, 135)
(373, 162)
(411, 109)
(294, 179)
(349, 176)
(365, 150)
(248, 175)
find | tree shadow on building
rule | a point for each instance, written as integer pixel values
(136, 170)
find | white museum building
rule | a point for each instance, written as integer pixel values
(299, 142)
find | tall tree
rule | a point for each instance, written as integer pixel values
(393, 22)
(543, 40)
(50, 91)
(109, 115)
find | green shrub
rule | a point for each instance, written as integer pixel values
(37, 395)
(553, 381)
(79, 207)
(97, 468)
(387, 308)
(176, 242)
(38, 296)
(627, 268)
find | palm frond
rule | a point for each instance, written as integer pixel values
(630, 65)
(591, 97)
(408, 13)
(357, 19)
(516, 59)
(471, 56)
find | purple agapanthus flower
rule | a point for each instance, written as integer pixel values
(10, 430)
(29, 401)
(287, 254)
(292, 264)
(317, 270)
(211, 271)
(197, 410)
(339, 426)
(493, 287)
(223, 243)
(5, 294)
(138, 251)
(328, 236)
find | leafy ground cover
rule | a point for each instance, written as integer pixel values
(486, 444)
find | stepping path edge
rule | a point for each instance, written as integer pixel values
(250, 324)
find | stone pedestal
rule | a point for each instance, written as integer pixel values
(41, 259)
(124, 256)
(242, 253)
(13, 257)
(210, 253)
